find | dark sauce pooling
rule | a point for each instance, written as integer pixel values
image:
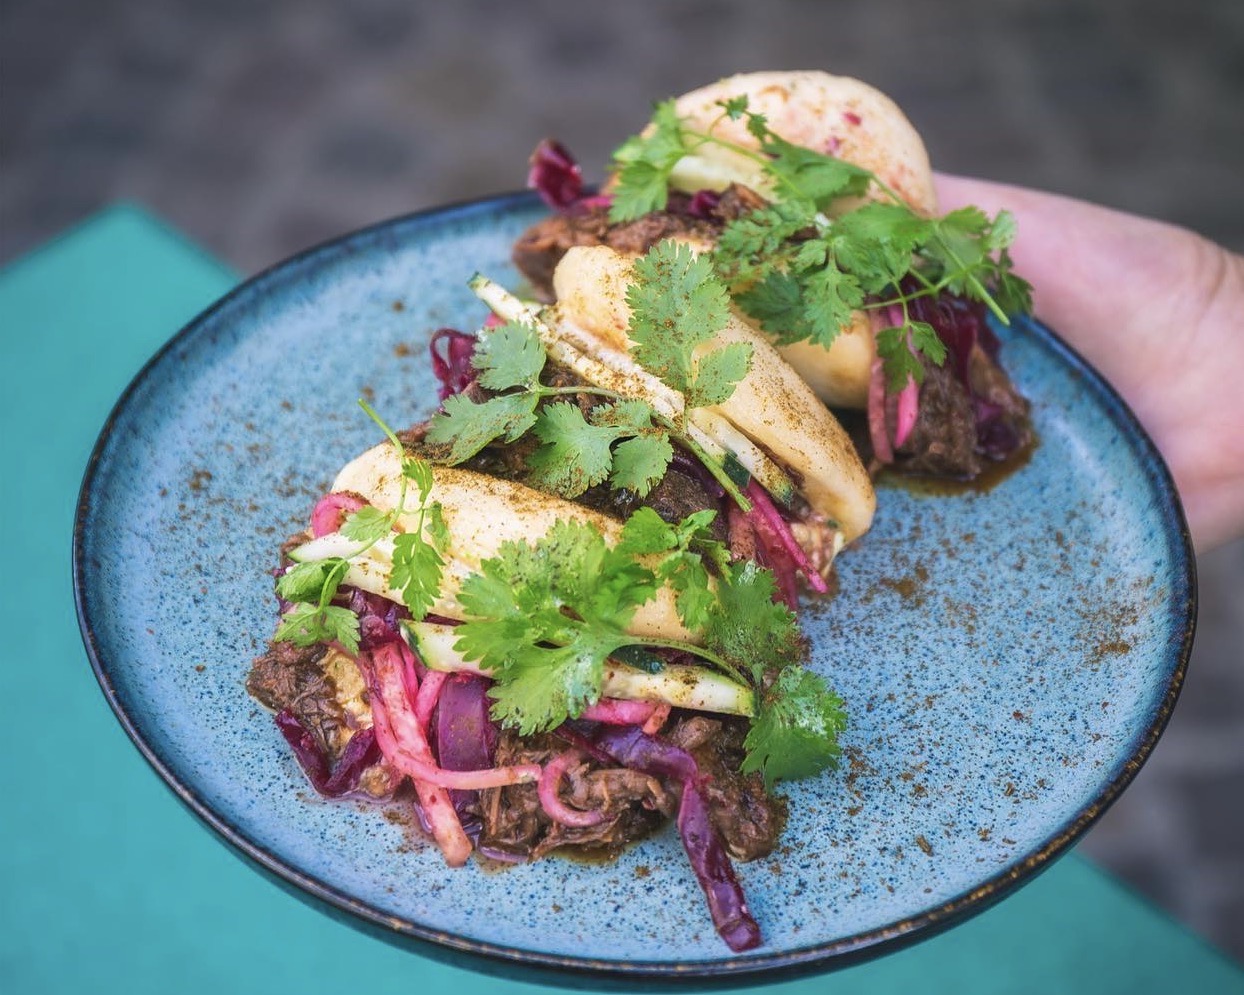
(992, 474)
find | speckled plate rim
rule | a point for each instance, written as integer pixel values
(557, 969)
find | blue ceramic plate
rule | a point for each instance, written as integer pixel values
(1008, 658)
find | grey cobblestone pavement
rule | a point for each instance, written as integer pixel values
(262, 127)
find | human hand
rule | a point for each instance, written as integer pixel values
(1159, 311)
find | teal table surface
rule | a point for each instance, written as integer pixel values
(110, 885)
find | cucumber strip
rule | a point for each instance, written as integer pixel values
(748, 455)
(680, 685)
(370, 569)
(599, 365)
(433, 643)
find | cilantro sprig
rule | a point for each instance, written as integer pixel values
(677, 306)
(542, 619)
(577, 450)
(313, 618)
(801, 266)
(418, 560)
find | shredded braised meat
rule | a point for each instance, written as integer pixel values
(289, 677)
(540, 248)
(517, 827)
(635, 804)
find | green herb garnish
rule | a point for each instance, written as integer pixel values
(801, 266)
(417, 560)
(677, 305)
(542, 618)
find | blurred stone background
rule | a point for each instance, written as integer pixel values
(260, 127)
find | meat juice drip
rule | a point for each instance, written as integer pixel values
(991, 475)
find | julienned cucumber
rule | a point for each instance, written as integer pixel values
(680, 685)
(369, 570)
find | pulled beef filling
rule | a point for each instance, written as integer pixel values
(540, 248)
(292, 678)
(749, 819)
(635, 804)
(943, 441)
(516, 826)
(681, 492)
(970, 413)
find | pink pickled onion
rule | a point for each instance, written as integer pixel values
(410, 751)
(329, 511)
(406, 748)
(763, 505)
(554, 807)
(908, 398)
(617, 712)
(908, 408)
(878, 432)
(429, 693)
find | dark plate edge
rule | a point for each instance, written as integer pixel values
(568, 971)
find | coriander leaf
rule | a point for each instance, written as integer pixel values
(814, 304)
(777, 303)
(746, 626)
(795, 734)
(812, 176)
(642, 187)
(757, 242)
(957, 247)
(899, 349)
(717, 373)
(502, 630)
(681, 563)
(468, 427)
(875, 243)
(542, 619)
(830, 295)
(437, 530)
(416, 572)
(694, 594)
(307, 624)
(419, 472)
(696, 526)
(640, 463)
(631, 415)
(368, 524)
(575, 454)
(510, 355)
(306, 581)
(1002, 232)
(646, 532)
(643, 164)
(810, 254)
(924, 338)
(899, 360)
(544, 686)
(1013, 292)
(734, 106)
(676, 303)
